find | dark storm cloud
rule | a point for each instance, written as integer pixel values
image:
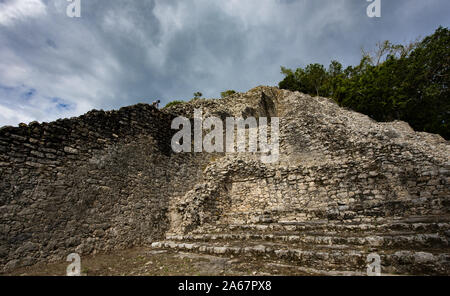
(123, 52)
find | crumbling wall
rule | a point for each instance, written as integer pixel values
(335, 164)
(245, 192)
(94, 183)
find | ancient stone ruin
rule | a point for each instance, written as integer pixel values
(344, 187)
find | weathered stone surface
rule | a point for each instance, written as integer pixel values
(71, 193)
(108, 180)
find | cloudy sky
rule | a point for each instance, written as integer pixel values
(124, 52)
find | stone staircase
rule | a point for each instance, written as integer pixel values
(345, 187)
(414, 245)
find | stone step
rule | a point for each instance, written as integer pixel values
(416, 227)
(393, 261)
(315, 271)
(369, 214)
(427, 240)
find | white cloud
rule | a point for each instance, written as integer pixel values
(17, 10)
(123, 52)
(9, 116)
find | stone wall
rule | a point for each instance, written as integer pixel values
(247, 192)
(335, 164)
(94, 183)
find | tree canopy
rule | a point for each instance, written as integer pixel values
(404, 82)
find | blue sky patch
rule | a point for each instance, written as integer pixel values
(61, 105)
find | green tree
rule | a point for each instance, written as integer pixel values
(289, 82)
(407, 82)
(310, 80)
(427, 84)
(334, 79)
(316, 76)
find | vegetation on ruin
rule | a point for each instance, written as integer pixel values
(227, 93)
(173, 103)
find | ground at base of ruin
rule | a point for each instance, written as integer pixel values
(150, 262)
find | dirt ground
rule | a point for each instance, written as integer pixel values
(149, 262)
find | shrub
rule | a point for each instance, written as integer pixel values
(227, 93)
(173, 103)
(197, 95)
